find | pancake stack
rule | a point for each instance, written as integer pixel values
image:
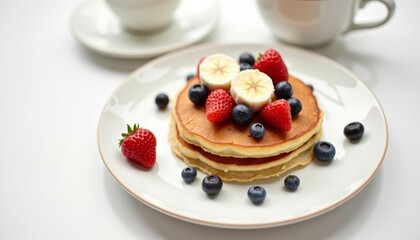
(229, 151)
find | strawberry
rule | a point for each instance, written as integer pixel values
(277, 114)
(139, 145)
(219, 105)
(272, 64)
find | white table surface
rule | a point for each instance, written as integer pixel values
(53, 184)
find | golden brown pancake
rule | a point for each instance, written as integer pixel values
(230, 140)
(227, 164)
(239, 173)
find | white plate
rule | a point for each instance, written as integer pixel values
(342, 96)
(97, 28)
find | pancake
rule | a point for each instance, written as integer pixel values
(205, 159)
(301, 159)
(230, 140)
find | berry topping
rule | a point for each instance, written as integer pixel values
(283, 90)
(277, 114)
(247, 58)
(272, 64)
(257, 194)
(257, 130)
(189, 174)
(295, 106)
(218, 71)
(212, 184)
(190, 76)
(253, 88)
(242, 114)
(354, 131)
(139, 145)
(244, 66)
(162, 101)
(310, 86)
(292, 182)
(219, 105)
(198, 94)
(324, 151)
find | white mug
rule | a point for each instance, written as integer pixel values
(313, 23)
(143, 15)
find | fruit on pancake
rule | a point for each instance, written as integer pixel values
(139, 145)
(283, 89)
(212, 185)
(272, 64)
(190, 76)
(256, 194)
(310, 86)
(247, 58)
(354, 130)
(244, 66)
(219, 105)
(242, 114)
(324, 151)
(295, 106)
(198, 93)
(252, 88)
(277, 114)
(217, 71)
(292, 182)
(257, 130)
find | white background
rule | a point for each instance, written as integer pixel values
(53, 184)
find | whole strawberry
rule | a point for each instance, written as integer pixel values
(219, 105)
(272, 64)
(139, 145)
(277, 114)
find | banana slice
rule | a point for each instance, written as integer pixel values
(253, 88)
(218, 71)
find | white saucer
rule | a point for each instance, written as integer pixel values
(97, 28)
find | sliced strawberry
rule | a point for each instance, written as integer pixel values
(219, 105)
(271, 63)
(277, 114)
(139, 145)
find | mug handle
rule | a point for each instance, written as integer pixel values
(389, 4)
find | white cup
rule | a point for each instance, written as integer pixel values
(143, 15)
(314, 23)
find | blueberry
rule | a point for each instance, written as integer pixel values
(295, 106)
(212, 184)
(198, 94)
(247, 58)
(324, 151)
(244, 66)
(190, 76)
(310, 87)
(189, 174)
(292, 182)
(242, 114)
(283, 89)
(162, 101)
(257, 130)
(354, 130)
(256, 194)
